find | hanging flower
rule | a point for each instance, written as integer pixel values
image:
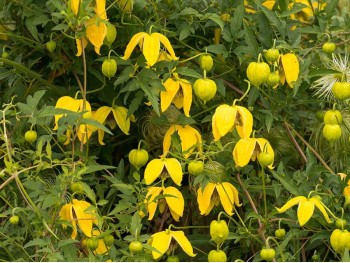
(161, 242)
(190, 138)
(227, 117)
(177, 91)
(101, 248)
(213, 194)
(249, 149)
(289, 71)
(163, 167)
(75, 212)
(113, 116)
(150, 45)
(305, 209)
(346, 193)
(173, 198)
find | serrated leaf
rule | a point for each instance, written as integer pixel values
(216, 18)
(89, 192)
(250, 39)
(37, 242)
(292, 188)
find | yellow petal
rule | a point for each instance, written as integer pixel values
(187, 96)
(165, 41)
(150, 49)
(305, 211)
(175, 200)
(74, 6)
(167, 138)
(269, 4)
(152, 193)
(266, 147)
(81, 44)
(226, 197)
(153, 170)
(66, 213)
(224, 117)
(182, 240)
(96, 32)
(120, 114)
(136, 39)
(320, 206)
(67, 103)
(101, 248)
(166, 97)
(204, 198)
(245, 120)
(100, 9)
(235, 193)
(243, 151)
(189, 138)
(174, 169)
(291, 68)
(102, 113)
(161, 242)
(290, 203)
(83, 218)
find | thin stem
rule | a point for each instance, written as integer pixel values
(295, 143)
(264, 192)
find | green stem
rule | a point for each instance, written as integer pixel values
(244, 95)
(186, 227)
(278, 245)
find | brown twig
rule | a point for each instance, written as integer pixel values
(296, 145)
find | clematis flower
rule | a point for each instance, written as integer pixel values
(305, 209)
(101, 248)
(248, 149)
(173, 198)
(161, 241)
(96, 28)
(150, 45)
(190, 138)
(177, 91)
(163, 167)
(289, 71)
(214, 193)
(346, 193)
(75, 212)
(227, 117)
(113, 116)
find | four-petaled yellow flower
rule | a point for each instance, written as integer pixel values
(150, 45)
(173, 198)
(96, 28)
(227, 117)
(249, 149)
(190, 138)
(214, 193)
(75, 212)
(289, 70)
(161, 242)
(177, 91)
(163, 167)
(115, 115)
(305, 209)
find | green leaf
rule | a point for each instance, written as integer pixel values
(184, 71)
(95, 124)
(250, 39)
(135, 226)
(89, 192)
(216, 18)
(94, 168)
(287, 183)
(237, 20)
(218, 49)
(38, 242)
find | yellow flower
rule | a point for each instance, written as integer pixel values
(101, 248)
(96, 28)
(214, 193)
(177, 91)
(346, 193)
(305, 209)
(248, 149)
(190, 138)
(115, 115)
(173, 198)
(290, 69)
(163, 167)
(161, 242)
(227, 117)
(150, 45)
(75, 212)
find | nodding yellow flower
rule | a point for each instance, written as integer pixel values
(249, 149)
(113, 116)
(290, 69)
(101, 248)
(173, 198)
(75, 105)
(96, 28)
(75, 212)
(150, 45)
(306, 208)
(227, 117)
(161, 242)
(214, 193)
(346, 193)
(190, 138)
(177, 91)
(163, 167)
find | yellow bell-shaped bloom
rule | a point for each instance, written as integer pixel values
(214, 193)
(190, 138)
(306, 208)
(177, 91)
(161, 242)
(163, 167)
(346, 193)
(113, 116)
(227, 117)
(173, 199)
(150, 45)
(290, 69)
(75, 212)
(249, 149)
